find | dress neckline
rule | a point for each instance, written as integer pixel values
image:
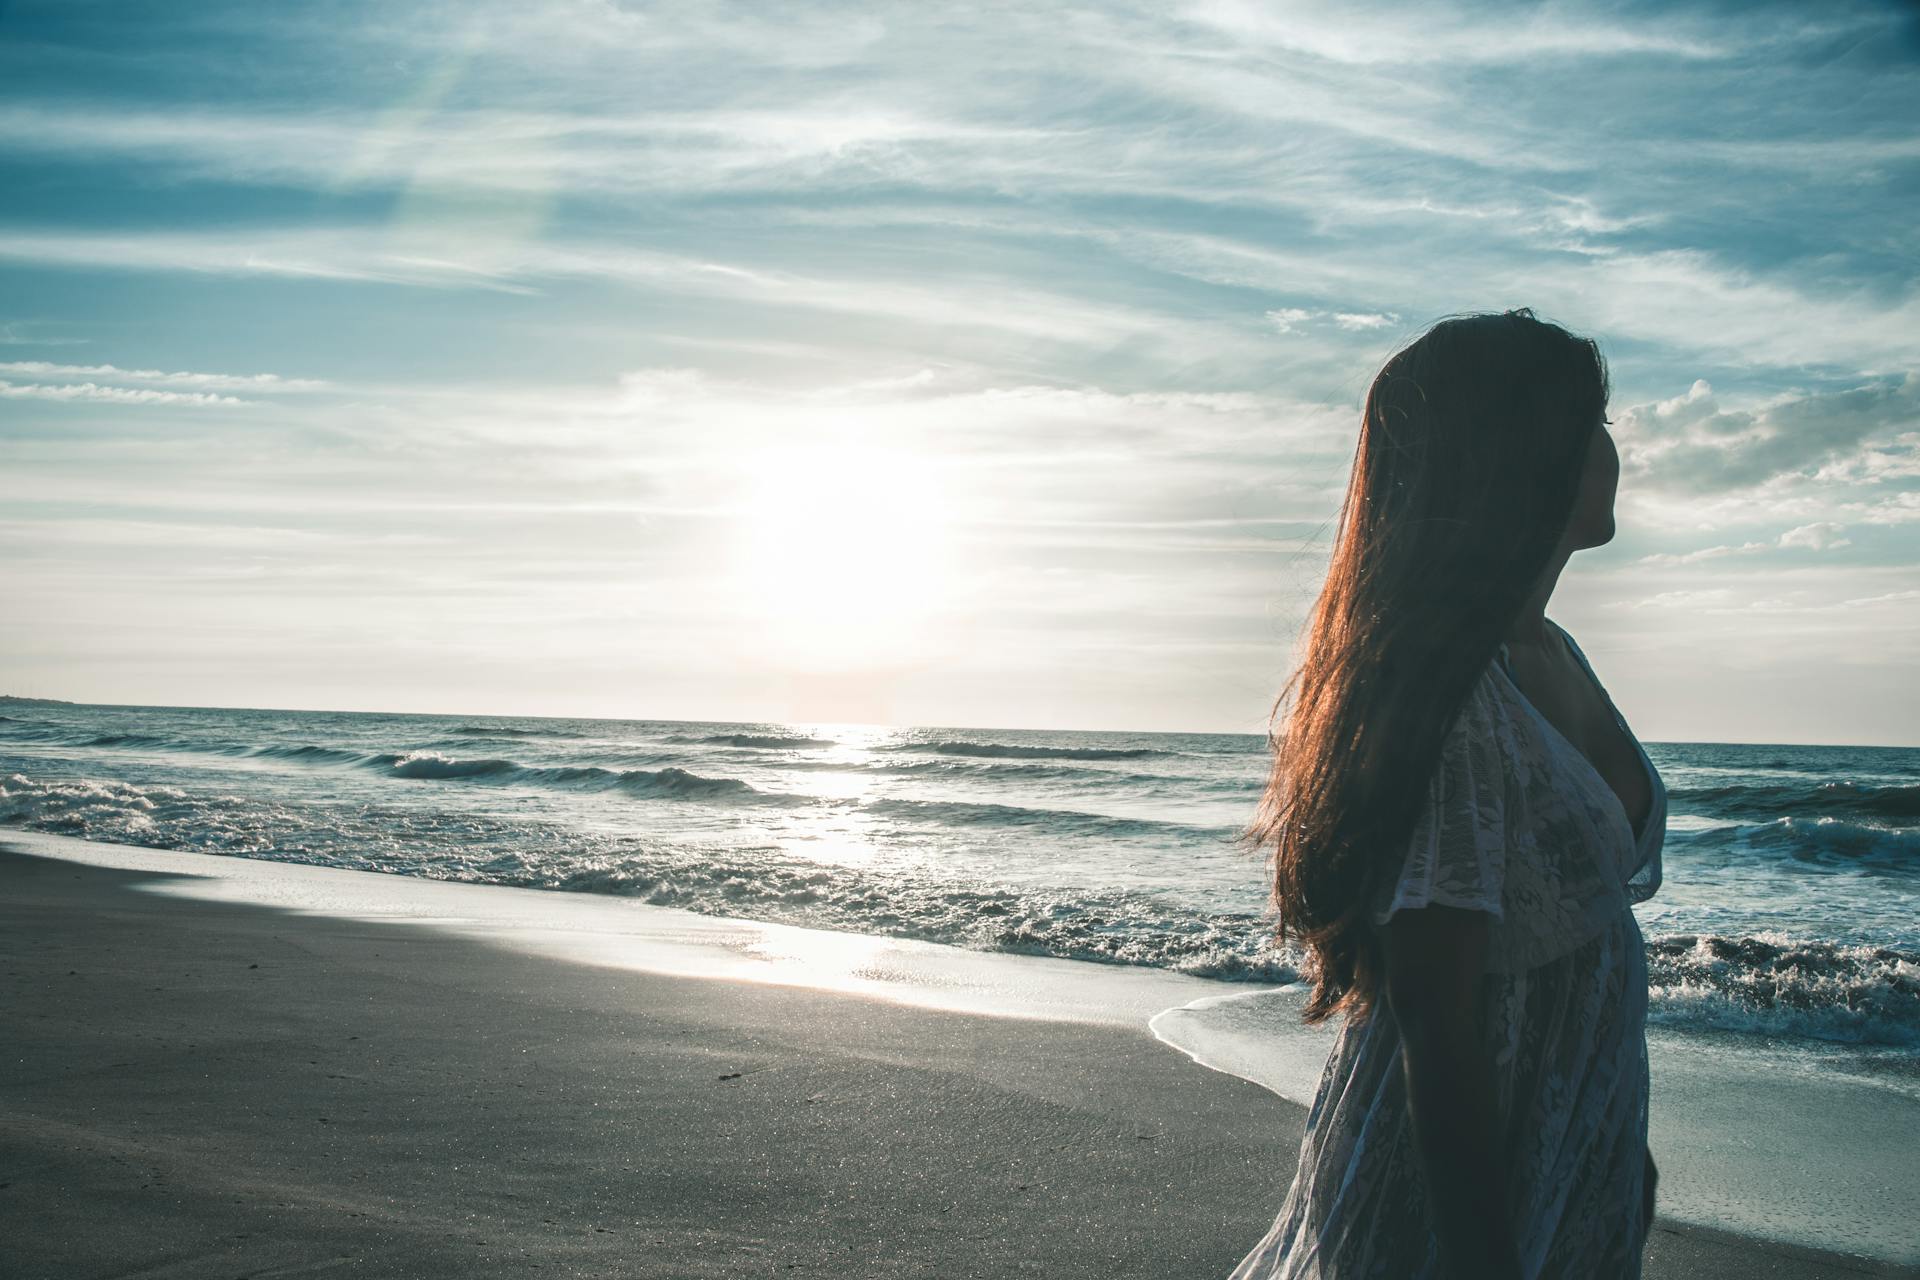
(1653, 777)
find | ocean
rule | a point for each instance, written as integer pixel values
(1790, 910)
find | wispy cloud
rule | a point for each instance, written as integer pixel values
(111, 395)
(1292, 319)
(260, 382)
(28, 333)
(1454, 35)
(1705, 553)
(1822, 535)
(369, 255)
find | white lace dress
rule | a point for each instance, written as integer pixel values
(1516, 823)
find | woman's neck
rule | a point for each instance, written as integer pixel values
(1529, 627)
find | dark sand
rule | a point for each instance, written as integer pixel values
(193, 1088)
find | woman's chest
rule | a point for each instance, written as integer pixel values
(1578, 725)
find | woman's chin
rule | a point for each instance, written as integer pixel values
(1598, 536)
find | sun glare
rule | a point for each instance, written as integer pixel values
(845, 555)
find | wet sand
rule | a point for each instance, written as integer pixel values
(213, 1088)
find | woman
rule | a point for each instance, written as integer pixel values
(1457, 824)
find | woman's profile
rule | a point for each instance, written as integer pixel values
(1457, 824)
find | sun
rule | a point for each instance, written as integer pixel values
(844, 555)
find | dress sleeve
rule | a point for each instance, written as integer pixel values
(1457, 854)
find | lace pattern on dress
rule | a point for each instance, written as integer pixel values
(1516, 823)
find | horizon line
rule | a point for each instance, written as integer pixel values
(17, 699)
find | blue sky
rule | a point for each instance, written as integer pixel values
(983, 366)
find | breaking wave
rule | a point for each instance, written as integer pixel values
(1115, 927)
(670, 782)
(1898, 805)
(138, 740)
(1831, 843)
(504, 731)
(757, 741)
(962, 813)
(1772, 984)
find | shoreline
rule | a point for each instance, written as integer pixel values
(404, 1096)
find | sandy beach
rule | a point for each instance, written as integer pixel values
(202, 1087)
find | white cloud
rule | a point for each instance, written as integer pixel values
(112, 395)
(1288, 319)
(1692, 444)
(1895, 508)
(1890, 597)
(1684, 599)
(209, 381)
(1822, 535)
(1705, 553)
(1293, 319)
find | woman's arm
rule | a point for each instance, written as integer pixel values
(1434, 958)
(1652, 1176)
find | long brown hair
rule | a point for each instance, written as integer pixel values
(1468, 464)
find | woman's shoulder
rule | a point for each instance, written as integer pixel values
(1490, 724)
(1503, 828)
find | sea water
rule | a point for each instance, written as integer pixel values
(1790, 906)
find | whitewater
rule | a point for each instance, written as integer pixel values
(1790, 910)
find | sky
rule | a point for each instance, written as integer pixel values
(976, 366)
